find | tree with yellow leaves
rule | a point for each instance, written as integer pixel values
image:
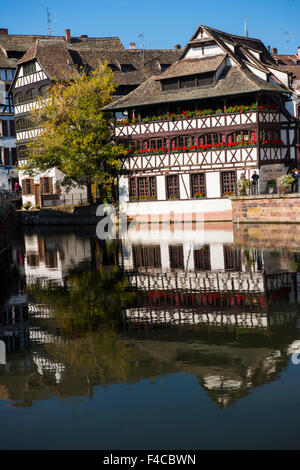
(74, 135)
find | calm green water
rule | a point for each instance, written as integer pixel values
(163, 340)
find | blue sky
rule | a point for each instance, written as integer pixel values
(164, 23)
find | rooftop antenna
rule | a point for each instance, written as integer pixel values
(245, 27)
(49, 21)
(288, 35)
(141, 36)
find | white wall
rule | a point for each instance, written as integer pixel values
(213, 184)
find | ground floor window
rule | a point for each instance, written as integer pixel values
(142, 187)
(27, 187)
(172, 182)
(228, 182)
(46, 185)
(198, 185)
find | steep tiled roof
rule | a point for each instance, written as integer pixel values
(12, 46)
(53, 55)
(57, 58)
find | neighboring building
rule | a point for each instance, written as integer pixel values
(221, 110)
(291, 64)
(12, 48)
(55, 58)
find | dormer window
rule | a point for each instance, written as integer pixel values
(127, 68)
(190, 81)
(164, 67)
(113, 67)
(29, 68)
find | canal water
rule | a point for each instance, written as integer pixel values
(171, 338)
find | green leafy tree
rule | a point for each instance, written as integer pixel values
(74, 135)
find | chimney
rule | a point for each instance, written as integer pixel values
(84, 36)
(298, 53)
(132, 46)
(177, 46)
(3, 31)
(68, 35)
(274, 51)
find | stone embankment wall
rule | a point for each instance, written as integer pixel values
(267, 236)
(72, 215)
(266, 208)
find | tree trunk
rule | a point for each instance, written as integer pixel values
(100, 195)
(90, 194)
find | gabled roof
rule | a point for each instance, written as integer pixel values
(53, 56)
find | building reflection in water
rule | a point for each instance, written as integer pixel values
(81, 313)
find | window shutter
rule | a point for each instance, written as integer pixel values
(12, 128)
(31, 186)
(50, 186)
(23, 187)
(6, 157)
(4, 128)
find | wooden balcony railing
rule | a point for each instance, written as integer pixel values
(199, 123)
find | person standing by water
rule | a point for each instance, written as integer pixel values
(297, 177)
(294, 187)
(17, 187)
(255, 178)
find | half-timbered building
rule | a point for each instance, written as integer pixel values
(55, 59)
(220, 111)
(12, 48)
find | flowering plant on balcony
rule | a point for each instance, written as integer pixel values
(188, 114)
(198, 195)
(122, 122)
(273, 142)
(146, 198)
(228, 194)
(268, 107)
(284, 184)
(241, 108)
(191, 148)
(219, 145)
(205, 112)
(242, 143)
(151, 151)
